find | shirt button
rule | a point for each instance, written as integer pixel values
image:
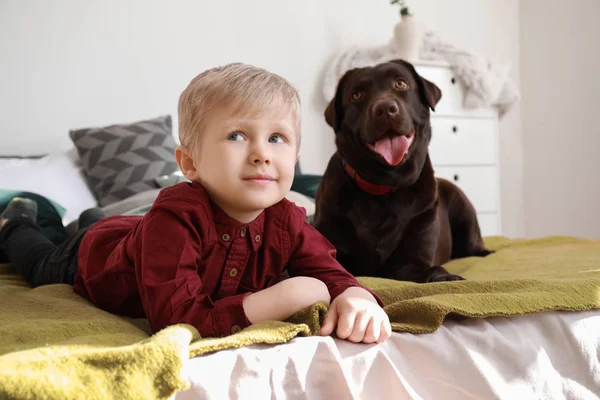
(233, 272)
(226, 237)
(235, 329)
(257, 238)
(243, 232)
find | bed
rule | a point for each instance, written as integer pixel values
(540, 356)
(525, 324)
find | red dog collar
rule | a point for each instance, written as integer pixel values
(364, 185)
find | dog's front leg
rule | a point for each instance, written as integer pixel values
(413, 258)
(417, 271)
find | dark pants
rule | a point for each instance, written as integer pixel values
(48, 219)
(35, 256)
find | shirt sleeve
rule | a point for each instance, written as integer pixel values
(171, 290)
(311, 254)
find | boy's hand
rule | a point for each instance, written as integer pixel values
(358, 317)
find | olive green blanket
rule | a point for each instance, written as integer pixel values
(56, 345)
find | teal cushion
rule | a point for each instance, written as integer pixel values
(6, 195)
(306, 184)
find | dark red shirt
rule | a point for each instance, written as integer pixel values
(186, 261)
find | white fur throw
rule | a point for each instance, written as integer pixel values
(487, 83)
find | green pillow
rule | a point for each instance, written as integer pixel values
(6, 195)
(306, 184)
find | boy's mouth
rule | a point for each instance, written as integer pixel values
(262, 179)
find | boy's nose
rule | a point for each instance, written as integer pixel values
(260, 155)
(260, 160)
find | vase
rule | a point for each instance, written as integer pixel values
(407, 37)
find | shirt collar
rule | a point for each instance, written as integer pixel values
(224, 224)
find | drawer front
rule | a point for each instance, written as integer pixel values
(489, 224)
(453, 92)
(460, 141)
(480, 184)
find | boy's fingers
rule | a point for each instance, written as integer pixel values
(345, 324)
(372, 332)
(329, 321)
(386, 331)
(360, 326)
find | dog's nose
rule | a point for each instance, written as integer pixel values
(385, 109)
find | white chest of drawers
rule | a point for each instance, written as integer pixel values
(464, 146)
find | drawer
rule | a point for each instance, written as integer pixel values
(480, 184)
(453, 92)
(489, 224)
(460, 141)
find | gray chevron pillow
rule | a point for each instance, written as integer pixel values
(122, 160)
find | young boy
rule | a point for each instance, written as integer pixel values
(210, 253)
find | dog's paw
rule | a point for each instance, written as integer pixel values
(446, 278)
(483, 252)
(439, 274)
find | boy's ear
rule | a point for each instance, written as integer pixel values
(184, 159)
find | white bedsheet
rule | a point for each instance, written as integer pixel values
(542, 356)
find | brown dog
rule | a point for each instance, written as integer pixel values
(379, 203)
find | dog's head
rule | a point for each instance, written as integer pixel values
(380, 115)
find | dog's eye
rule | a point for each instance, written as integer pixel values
(356, 95)
(401, 84)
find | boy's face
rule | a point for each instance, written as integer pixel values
(246, 160)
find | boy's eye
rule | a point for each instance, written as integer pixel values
(276, 139)
(235, 136)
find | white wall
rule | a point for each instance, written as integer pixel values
(560, 67)
(491, 28)
(69, 63)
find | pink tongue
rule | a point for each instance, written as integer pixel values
(392, 149)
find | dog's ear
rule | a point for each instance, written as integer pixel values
(430, 92)
(334, 113)
(331, 114)
(427, 89)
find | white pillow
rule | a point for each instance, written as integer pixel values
(56, 176)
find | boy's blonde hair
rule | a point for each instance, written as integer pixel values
(245, 85)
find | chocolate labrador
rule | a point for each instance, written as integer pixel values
(379, 203)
